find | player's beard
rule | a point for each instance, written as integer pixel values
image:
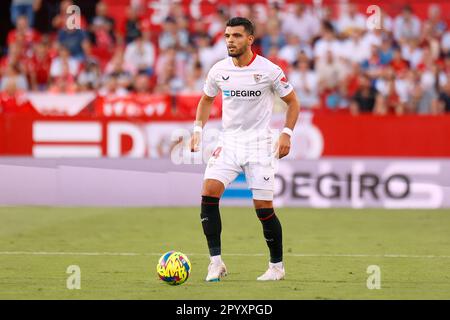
(237, 53)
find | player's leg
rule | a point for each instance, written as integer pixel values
(210, 214)
(219, 173)
(261, 181)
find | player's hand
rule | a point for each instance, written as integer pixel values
(284, 145)
(195, 141)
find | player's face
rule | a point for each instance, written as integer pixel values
(238, 40)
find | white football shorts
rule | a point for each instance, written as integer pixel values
(258, 162)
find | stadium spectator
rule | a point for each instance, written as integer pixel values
(14, 57)
(172, 36)
(273, 37)
(101, 33)
(386, 52)
(195, 80)
(89, 77)
(275, 58)
(23, 33)
(39, 67)
(438, 25)
(111, 87)
(64, 82)
(365, 97)
(303, 22)
(443, 104)
(64, 63)
(330, 71)
(75, 40)
(351, 20)
(388, 99)
(59, 21)
(25, 8)
(290, 51)
(305, 84)
(422, 100)
(327, 43)
(398, 63)
(13, 79)
(102, 18)
(140, 54)
(355, 49)
(141, 83)
(412, 52)
(372, 65)
(445, 43)
(170, 72)
(131, 26)
(406, 26)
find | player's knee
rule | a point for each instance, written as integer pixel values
(212, 188)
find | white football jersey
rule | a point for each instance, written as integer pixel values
(247, 93)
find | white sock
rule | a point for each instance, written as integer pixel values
(278, 265)
(216, 259)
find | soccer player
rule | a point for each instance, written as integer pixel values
(248, 83)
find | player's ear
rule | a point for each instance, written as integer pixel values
(251, 39)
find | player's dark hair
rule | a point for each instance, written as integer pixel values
(240, 21)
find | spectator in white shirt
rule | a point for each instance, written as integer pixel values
(351, 20)
(290, 51)
(305, 84)
(327, 43)
(406, 25)
(141, 54)
(412, 53)
(64, 58)
(355, 48)
(304, 23)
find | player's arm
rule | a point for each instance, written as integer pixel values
(203, 111)
(293, 110)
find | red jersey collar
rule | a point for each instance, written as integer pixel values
(253, 59)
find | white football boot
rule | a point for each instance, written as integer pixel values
(275, 272)
(216, 271)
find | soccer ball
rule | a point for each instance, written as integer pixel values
(173, 268)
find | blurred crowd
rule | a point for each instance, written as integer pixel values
(334, 61)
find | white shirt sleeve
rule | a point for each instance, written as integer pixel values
(210, 87)
(279, 82)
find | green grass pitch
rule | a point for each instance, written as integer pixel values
(327, 253)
